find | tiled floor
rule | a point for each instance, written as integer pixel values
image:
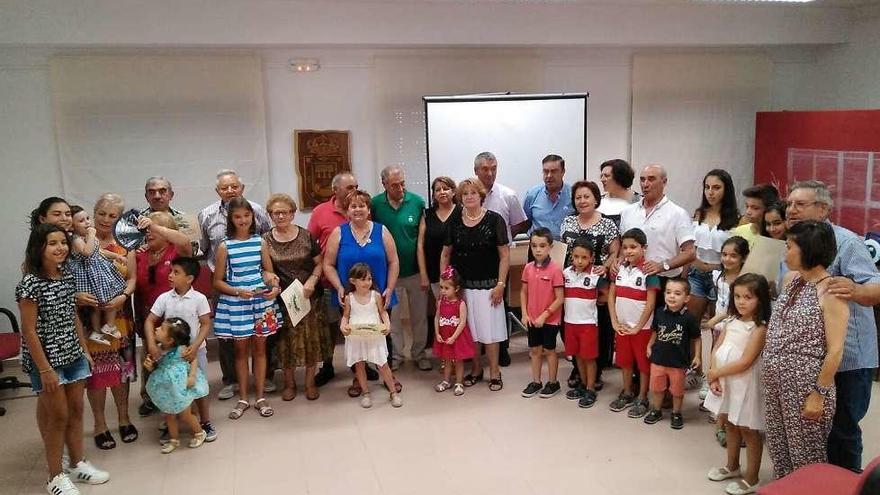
(482, 442)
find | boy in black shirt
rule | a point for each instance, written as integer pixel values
(675, 344)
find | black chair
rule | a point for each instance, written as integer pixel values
(10, 346)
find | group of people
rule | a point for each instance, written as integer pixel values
(790, 357)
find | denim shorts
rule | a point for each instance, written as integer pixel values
(73, 372)
(701, 284)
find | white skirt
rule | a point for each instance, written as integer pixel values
(372, 349)
(488, 324)
(742, 396)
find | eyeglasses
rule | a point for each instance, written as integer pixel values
(281, 213)
(799, 205)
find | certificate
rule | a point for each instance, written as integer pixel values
(297, 304)
(764, 258)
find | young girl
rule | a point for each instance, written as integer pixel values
(452, 338)
(174, 384)
(95, 274)
(53, 353)
(246, 309)
(734, 377)
(774, 227)
(365, 323)
(734, 252)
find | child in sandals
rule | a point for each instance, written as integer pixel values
(452, 338)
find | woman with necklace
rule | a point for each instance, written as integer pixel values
(478, 247)
(295, 255)
(805, 340)
(365, 241)
(153, 264)
(432, 230)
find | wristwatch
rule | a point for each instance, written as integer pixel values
(823, 391)
(666, 266)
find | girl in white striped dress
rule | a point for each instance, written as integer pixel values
(246, 309)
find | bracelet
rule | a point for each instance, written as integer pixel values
(502, 284)
(45, 371)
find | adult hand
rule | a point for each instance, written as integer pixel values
(50, 381)
(188, 354)
(115, 304)
(340, 293)
(345, 329)
(497, 295)
(842, 287)
(813, 406)
(308, 289)
(696, 363)
(86, 299)
(144, 223)
(386, 296)
(652, 267)
(599, 270)
(424, 282)
(715, 388)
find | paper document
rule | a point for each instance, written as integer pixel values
(764, 257)
(297, 304)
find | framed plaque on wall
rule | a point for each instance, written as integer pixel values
(319, 155)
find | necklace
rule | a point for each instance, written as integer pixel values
(474, 217)
(362, 237)
(817, 282)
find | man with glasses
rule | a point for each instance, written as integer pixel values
(855, 279)
(212, 221)
(401, 212)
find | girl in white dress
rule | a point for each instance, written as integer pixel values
(365, 324)
(734, 380)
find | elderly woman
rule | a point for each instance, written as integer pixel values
(295, 255)
(361, 240)
(804, 347)
(163, 243)
(478, 248)
(432, 229)
(115, 364)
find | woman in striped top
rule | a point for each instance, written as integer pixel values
(246, 309)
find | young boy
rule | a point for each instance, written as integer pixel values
(631, 301)
(541, 299)
(675, 344)
(184, 302)
(582, 287)
(758, 199)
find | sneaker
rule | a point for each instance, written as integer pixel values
(531, 390)
(366, 401)
(227, 392)
(164, 436)
(638, 409)
(575, 394)
(550, 389)
(198, 439)
(599, 385)
(425, 364)
(623, 401)
(704, 389)
(85, 472)
(147, 408)
(111, 331)
(269, 386)
(654, 416)
(396, 401)
(99, 338)
(588, 400)
(324, 375)
(677, 422)
(61, 485)
(458, 389)
(171, 446)
(210, 431)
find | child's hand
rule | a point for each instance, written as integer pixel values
(539, 321)
(618, 328)
(153, 351)
(451, 340)
(149, 364)
(346, 329)
(385, 328)
(715, 388)
(272, 293)
(525, 320)
(191, 381)
(649, 351)
(245, 294)
(696, 363)
(631, 330)
(438, 338)
(90, 231)
(188, 354)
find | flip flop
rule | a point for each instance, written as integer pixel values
(128, 433)
(104, 441)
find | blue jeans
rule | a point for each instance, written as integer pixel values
(853, 397)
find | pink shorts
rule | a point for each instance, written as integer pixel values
(660, 375)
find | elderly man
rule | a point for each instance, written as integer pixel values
(547, 204)
(667, 226)
(326, 217)
(212, 221)
(401, 212)
(857, 280)
(159, 193)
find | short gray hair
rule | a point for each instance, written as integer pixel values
(823, 194)
(390, 169)
(486, 155)
(158, 178)
(338, 177)
(226, 172)
(111, 199)
(658, 167)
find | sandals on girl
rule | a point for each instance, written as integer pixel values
(263, 406)
(471, 380)
(128, 433)
(397, 386)
(722, 473)
(104, 441)
(496, 384)
(240, 407)
(354, 390)
(442, 386)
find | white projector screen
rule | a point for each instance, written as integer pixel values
(519, 129)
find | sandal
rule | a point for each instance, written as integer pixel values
(397, 386)
(442, 386)
(471, 380)
(104, 441)
(240, 407)
(288, 394)
(312, 393)
(355, 389)
(741, 487)
(265, 409)
(496, 384)
(722, 473)
(128, 433)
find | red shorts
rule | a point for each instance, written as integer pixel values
(582, 340)
(631, 349)
(661, 374)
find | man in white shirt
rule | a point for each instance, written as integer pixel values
(668, 227)
(503, 201)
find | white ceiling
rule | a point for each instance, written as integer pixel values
(815, 3)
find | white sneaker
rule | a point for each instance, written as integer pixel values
(86, 472)
(198, 439)
(99, 338)
(270, 386)
(171, 446)
(227, 392)
(396, 401)
(61, 485)
(366, 401)
(111, 330)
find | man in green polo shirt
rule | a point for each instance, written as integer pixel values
(402, 212)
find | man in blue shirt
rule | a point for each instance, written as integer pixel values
(548, 203)
(855, 279)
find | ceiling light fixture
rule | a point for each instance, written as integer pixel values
(303, 64)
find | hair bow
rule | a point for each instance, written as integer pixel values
(448, 273)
